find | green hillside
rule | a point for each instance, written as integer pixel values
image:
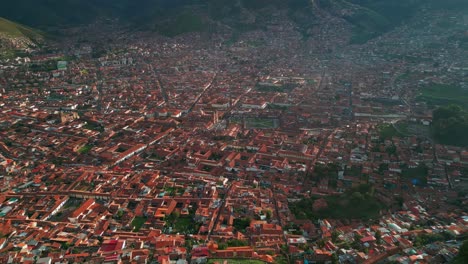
(15, 38)
(370, 18)
(13, 29)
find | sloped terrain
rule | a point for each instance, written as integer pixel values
(14, 36)
(369, 18)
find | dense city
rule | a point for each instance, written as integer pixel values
(133, 147)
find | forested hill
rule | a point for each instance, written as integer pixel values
(369, 17)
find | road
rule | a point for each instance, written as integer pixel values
(202, 93)
(319, 153)
(160, 84)
(221, 208)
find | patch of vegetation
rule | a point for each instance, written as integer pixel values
(322, 171)
(443, 95)
(95, 126)
(241, 224)
(354, 171)
(462, 40)
(184, 23)
(368, 25)
(402, 127)
(50, 65)
(120, 213)
(277, 107)
(462, 256)
(450, 125)
(85, 149)
(385, 101)
(138, 222)
(418, 175)
(233, 243)
(261, 123)
(387, 131)
(372, 18)
(426, 239)
(275, 88)
(182, 224)
(358, 203)
(16, 30)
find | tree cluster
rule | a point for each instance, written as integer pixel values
(450, 125)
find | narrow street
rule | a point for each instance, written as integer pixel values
(221, 208)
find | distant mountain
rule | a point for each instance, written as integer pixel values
(371, 18)
(172, 17)
(14, 36)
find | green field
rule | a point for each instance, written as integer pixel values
(441, 94)
(138, 222)
(387, 131)
(85, 149)
(417, 175)
(288, 87)
(16, 30)
(358, 203)
(262, 123)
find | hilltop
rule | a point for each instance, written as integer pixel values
(368, 18)
(14, 36)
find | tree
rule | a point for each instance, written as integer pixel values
(222, 246)
(391, 150)
(268, 214)
(462, 256)
(237, 243)
(335, 258)
(335, 234)
(321, 243)
(450, 125)
(356, 197)
(357, 241)
(378, 237)
(240, 224)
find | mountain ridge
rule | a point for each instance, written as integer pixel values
(369, 18)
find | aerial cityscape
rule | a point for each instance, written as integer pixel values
(230, 132)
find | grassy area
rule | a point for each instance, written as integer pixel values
(16, 30)
(270, 88)
(7, 54)
(450, 125)
(387, 131)
(85, 149)
(93, 126)
(441, 95)
(172, 191)
(403, 127)
(138, 222)
(359, 203)
(418, 175)
(275, 88)
(182, 224)
(265, 123)
(385, 101)
(235, 261)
